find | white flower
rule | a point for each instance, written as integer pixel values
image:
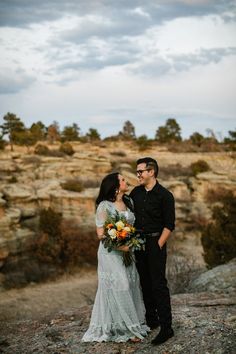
(120, 225)
(112, 233)
(127, 228)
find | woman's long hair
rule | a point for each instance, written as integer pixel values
(108, 189)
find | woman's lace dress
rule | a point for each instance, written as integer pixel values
(118, 313)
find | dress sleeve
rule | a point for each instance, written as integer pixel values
(101, 214)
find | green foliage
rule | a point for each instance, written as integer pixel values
(67, 148)
(73, 185)
(118, 153)
(70, 133)
(41, 149)
(38, 131)
(93, 134)
(143, 142)
(218, 237)
(231, 140)
(128, 130)
(12, 127)
(199, 166)
(2, 143)
(169, 133)
(197, 139)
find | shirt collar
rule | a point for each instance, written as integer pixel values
(155, 187)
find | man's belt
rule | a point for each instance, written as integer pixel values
(152, 234)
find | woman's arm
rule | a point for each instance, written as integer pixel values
(100, 233)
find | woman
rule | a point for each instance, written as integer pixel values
(118, 313)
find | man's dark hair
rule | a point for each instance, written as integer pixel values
(150, 163)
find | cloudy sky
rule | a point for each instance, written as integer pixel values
(99, 63)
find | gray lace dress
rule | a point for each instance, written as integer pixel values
(118, 313)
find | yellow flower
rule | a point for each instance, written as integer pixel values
(127, 228)
(120, 225)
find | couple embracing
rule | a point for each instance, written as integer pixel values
(131, 301)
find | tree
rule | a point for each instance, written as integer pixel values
(218, 237)
(93, 134)
(53, 132)
(12, 126)
(70, 133)
(128, 130)
(38, 131)
(25, 137)
(231, 140)
(170, 132)
(197, 139)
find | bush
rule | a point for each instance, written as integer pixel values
(63, 242)
(218, 237)
(73, 185)
(2, 144)
(199, 166)
(143, 142)
(67, 149)
(78, 245)
(41, 149)
(118, 153)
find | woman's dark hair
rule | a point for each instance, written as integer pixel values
(110, 184)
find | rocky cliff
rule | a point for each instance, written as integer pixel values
(30, 182)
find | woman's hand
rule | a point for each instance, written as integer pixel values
(101, 237)
(123, 248)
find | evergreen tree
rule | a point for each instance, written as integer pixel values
(93, 134)
(12, 126)
(128, 130)
(70, 133)
(170, 132)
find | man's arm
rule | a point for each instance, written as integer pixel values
(169, 218)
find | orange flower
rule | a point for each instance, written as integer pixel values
(123, 234)
(109, 226)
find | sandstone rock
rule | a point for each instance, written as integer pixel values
(221, 278)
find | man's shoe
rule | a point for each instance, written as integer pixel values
(163, 336)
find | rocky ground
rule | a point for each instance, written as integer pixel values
(51, 318)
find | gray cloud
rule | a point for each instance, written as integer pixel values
(13, 82)
(160, 66)
(129, 14)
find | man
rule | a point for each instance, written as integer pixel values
(154, 209)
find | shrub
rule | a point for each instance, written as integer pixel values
(78, 245)
(13, 179)
(73, 185)
(199, 166)
(215, 195)
(41, 149)
(2, 144)
(67, 148)
(218, 237)
(118, 153)
(62, 242)
(143, 142)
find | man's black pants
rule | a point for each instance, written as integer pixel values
(151, 265)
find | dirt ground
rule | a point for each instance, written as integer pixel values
(36, 300)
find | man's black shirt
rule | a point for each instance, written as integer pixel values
(154, 209)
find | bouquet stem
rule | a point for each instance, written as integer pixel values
(128, 258)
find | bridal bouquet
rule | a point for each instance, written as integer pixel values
(118, 232)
